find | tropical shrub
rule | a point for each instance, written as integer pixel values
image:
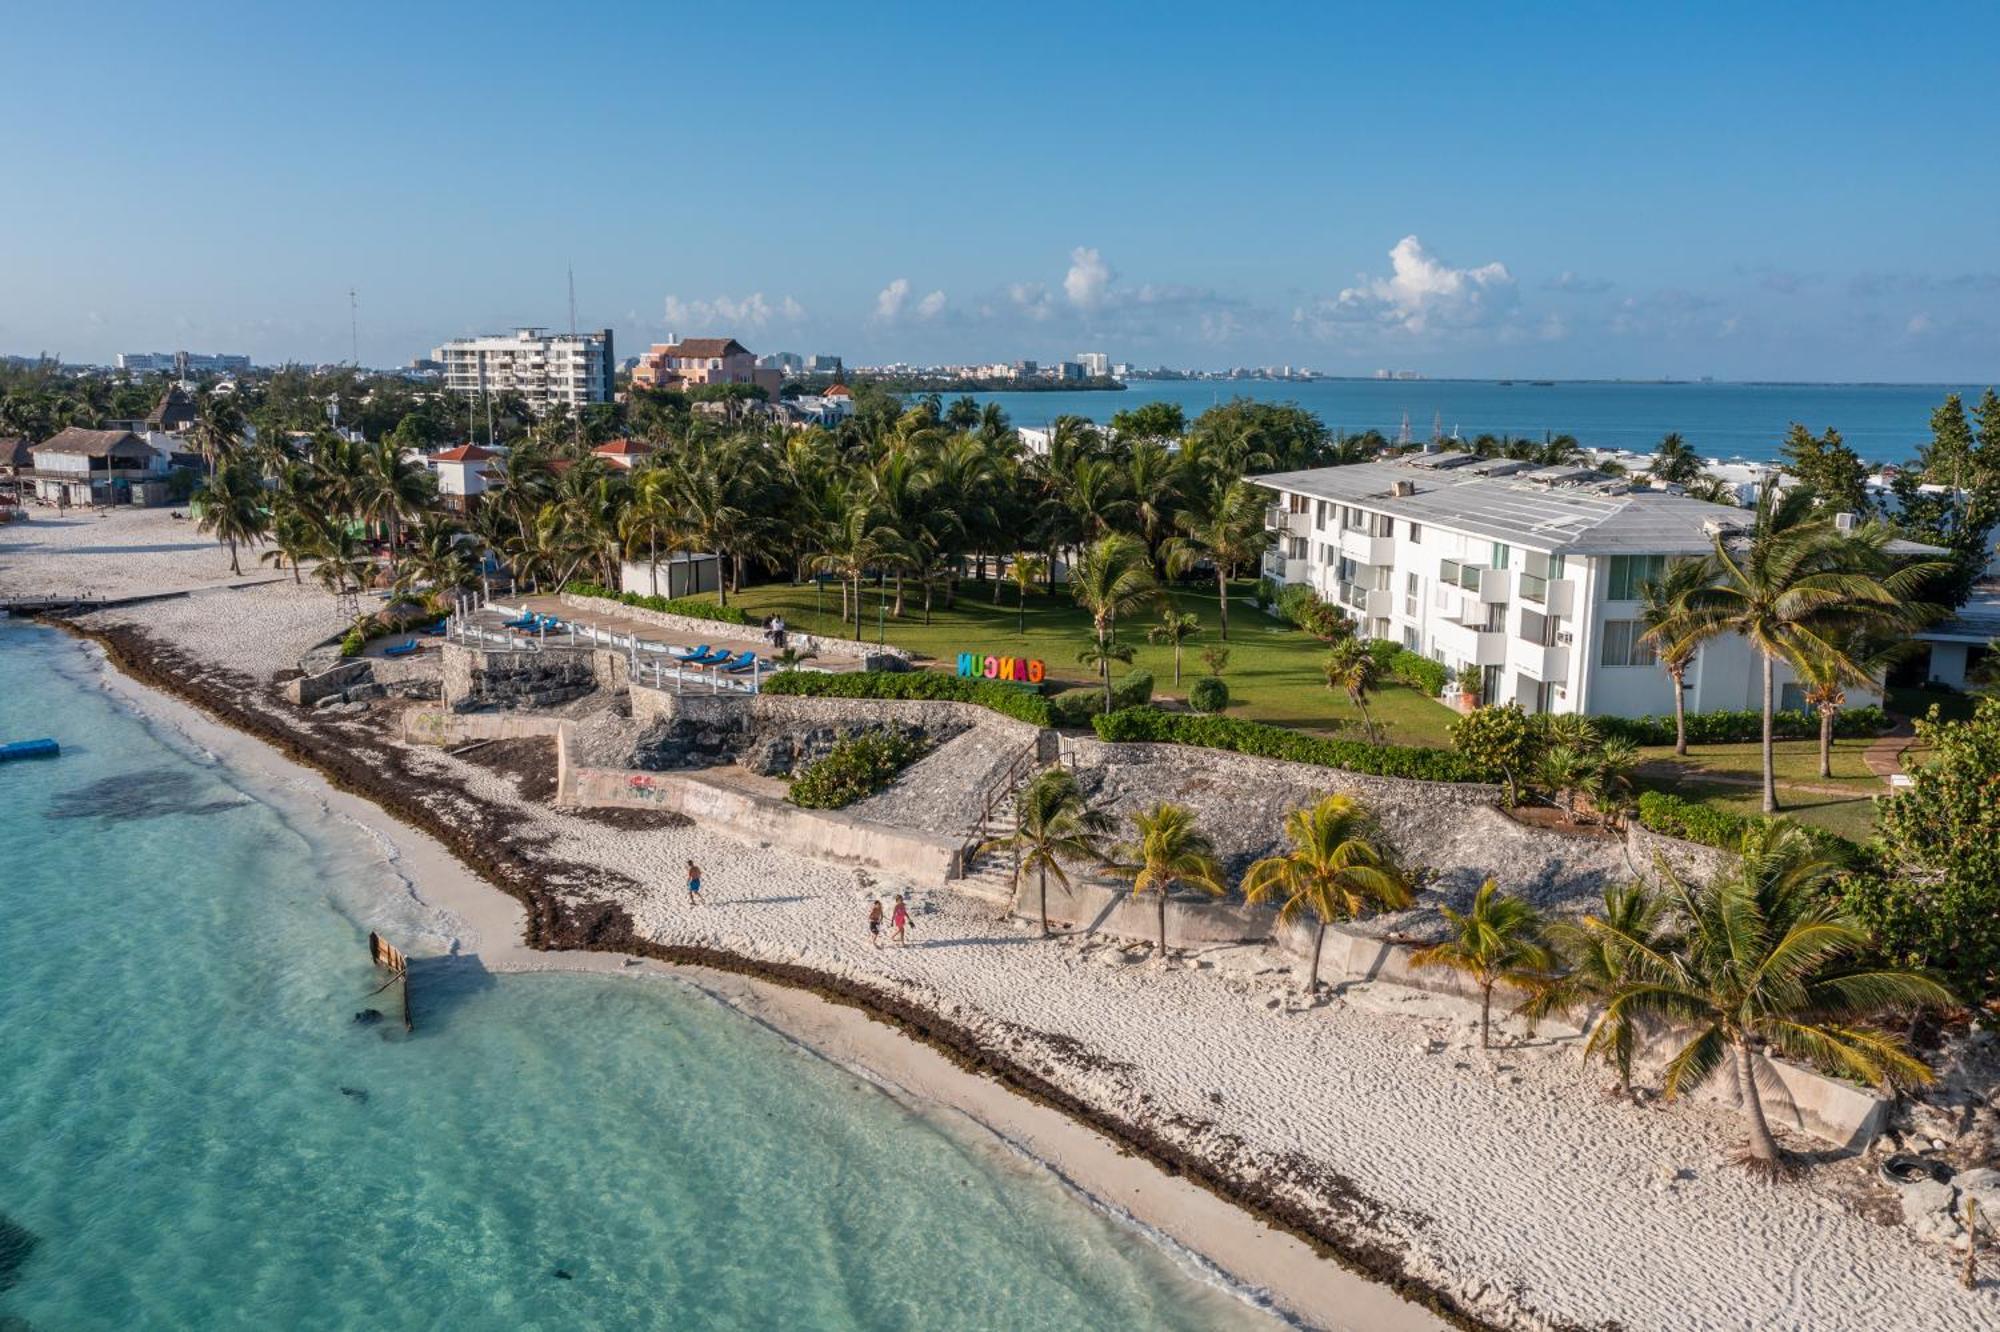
(1011, 700)
(1496, 742)
(1384, 651)
(856, 767)
(1692, 821)
(693, 608)
(1418, 672)
(1244, 737)
(1208, 694)
(1076, 707)
(1743, 725)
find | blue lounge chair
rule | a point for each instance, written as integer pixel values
(435, 630)
(707, 656)
(402, 649)
(525, 622)
(746, 662)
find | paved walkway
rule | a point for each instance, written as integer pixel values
(1885, 757)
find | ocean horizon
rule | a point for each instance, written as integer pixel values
(1729, 422)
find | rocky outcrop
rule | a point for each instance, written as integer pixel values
(475, 678)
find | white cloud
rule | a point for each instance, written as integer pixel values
(1032, 299)
(1088, 279)
(931, 306)
(1919, 325)
(1421, 294)
(889, 301)
(1576, 284)
(752, 312)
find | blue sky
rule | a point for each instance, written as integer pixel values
(1745, 191)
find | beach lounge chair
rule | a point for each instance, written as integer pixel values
(402, 649)
(706, 656)
(525, 622)
(745, 662)
(434, 630)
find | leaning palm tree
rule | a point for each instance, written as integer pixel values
(1224, 528)
(1174, 630)
(1169, 849)
(1349, 665)
(1827, 670)
(1770, 964)
(294, 538)
(1498, 940)
(231, 505)
(1792, 587)
(1661, 602)
(1333, 870)
(1053, 826)
(1113, 577)
(345, 567)
(1597, 955)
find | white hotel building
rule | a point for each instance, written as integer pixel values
(1525, 577)
(545, 368)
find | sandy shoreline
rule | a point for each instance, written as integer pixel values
(1288, 1276)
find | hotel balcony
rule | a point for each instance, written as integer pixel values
(1463, 643)
(1375, 551)
(1551, 596)
(1541, 662)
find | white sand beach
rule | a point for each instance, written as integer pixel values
(1504, 1177)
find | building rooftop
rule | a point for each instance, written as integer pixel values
(1977, 621)
(623, 448)
(464, 453)
(1559, 510)
(95, 443)
(702, 347)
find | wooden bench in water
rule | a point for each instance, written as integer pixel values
(385, 954)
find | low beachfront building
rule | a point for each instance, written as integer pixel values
(1523, 578)
(1961, 646)
(461, 475)
(623, 454)
(679, 573)
(84, 467)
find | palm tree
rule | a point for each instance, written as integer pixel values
(1169, 850)
(1351, 666)
(391, 488)
(1332, 870)
(1674, 461)
(1498, 940)
(218, 429)
(344, 567)
(1565, 770)
(1661, 602)
(231, 505)
(1026, 570)
(1112, 577)
(294, 537)
(1225, 528)
(1598, 955)
(1770, 963)
(1858, 657)
(1053, 825)
(1175, 629)
(851, 548)
(443, 559)
(1794, 585)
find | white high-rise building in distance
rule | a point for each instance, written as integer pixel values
(1095, 364)
(574, 369)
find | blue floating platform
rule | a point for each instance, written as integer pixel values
(27, 749)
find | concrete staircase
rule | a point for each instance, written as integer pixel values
(989, 875)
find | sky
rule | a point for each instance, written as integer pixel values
(1748, 191)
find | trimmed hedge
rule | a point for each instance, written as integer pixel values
(694, 608)
(1690, 821)
(856, 767)
(1076, 707)
(1020, 704)
(1735, 727)
(1244, 737)
(1209, 694)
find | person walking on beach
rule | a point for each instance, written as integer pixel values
(694, 884)
(900, 918)
(875, 920)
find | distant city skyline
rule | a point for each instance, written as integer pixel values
(1479, 193)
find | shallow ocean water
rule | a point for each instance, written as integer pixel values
(194, 1131)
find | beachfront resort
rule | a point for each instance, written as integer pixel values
(1361, 832)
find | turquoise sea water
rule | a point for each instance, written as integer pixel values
(195, 1133)
(1881, 422)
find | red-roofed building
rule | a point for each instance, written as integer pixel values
(623, 453)
(461, 474)
(692, 361)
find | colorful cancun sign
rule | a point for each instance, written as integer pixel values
(1025, 670)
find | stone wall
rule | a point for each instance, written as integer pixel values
(478, 678)
(1691, 861)
(443, 727)
(307, 690)
(873, 656)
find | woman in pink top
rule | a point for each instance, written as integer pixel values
(900, 918)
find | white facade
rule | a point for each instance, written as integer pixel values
(1528, 585)
(573, 369)
(679, 573)
(1095, 364)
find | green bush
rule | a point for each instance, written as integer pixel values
(1293, 601)
(382, 622)
(355, 641)
(856, 767)
(1134, 691)
(1419, 672)
(1076, 707)
(694, 608)
(1021, 704)
(1691, 821)
(1743, 725)
(1243, 737)
(1497, 742)
(1208, 694)
(1384, 651)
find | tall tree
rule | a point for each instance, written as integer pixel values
(1112, 578)
(1224, 528)
(1770, 964)
(1350, 666)
(1662, 606)
(1170, 850)
(231, 505)
(1948, 459)
(1175, 629)
(1334, 870)
(1598, 956)
(1674, 461)
(1499, 939)
(1054, 826)
(1825, 465)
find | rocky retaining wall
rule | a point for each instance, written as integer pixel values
(443, 727)
(363, 678)
(478, 678)
(872, 656)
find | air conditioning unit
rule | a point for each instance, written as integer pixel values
(1402, 489)
(1843, 522)
(1564, 638)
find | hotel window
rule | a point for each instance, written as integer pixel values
(1413, 586)
(1381, 525)
(1629, 571)
(1416, 534)
(1409, 638)
(1500, 554)
(1623, 645)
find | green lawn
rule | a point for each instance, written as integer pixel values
(1795, 761)
(1853, 818)
(1274, 670)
